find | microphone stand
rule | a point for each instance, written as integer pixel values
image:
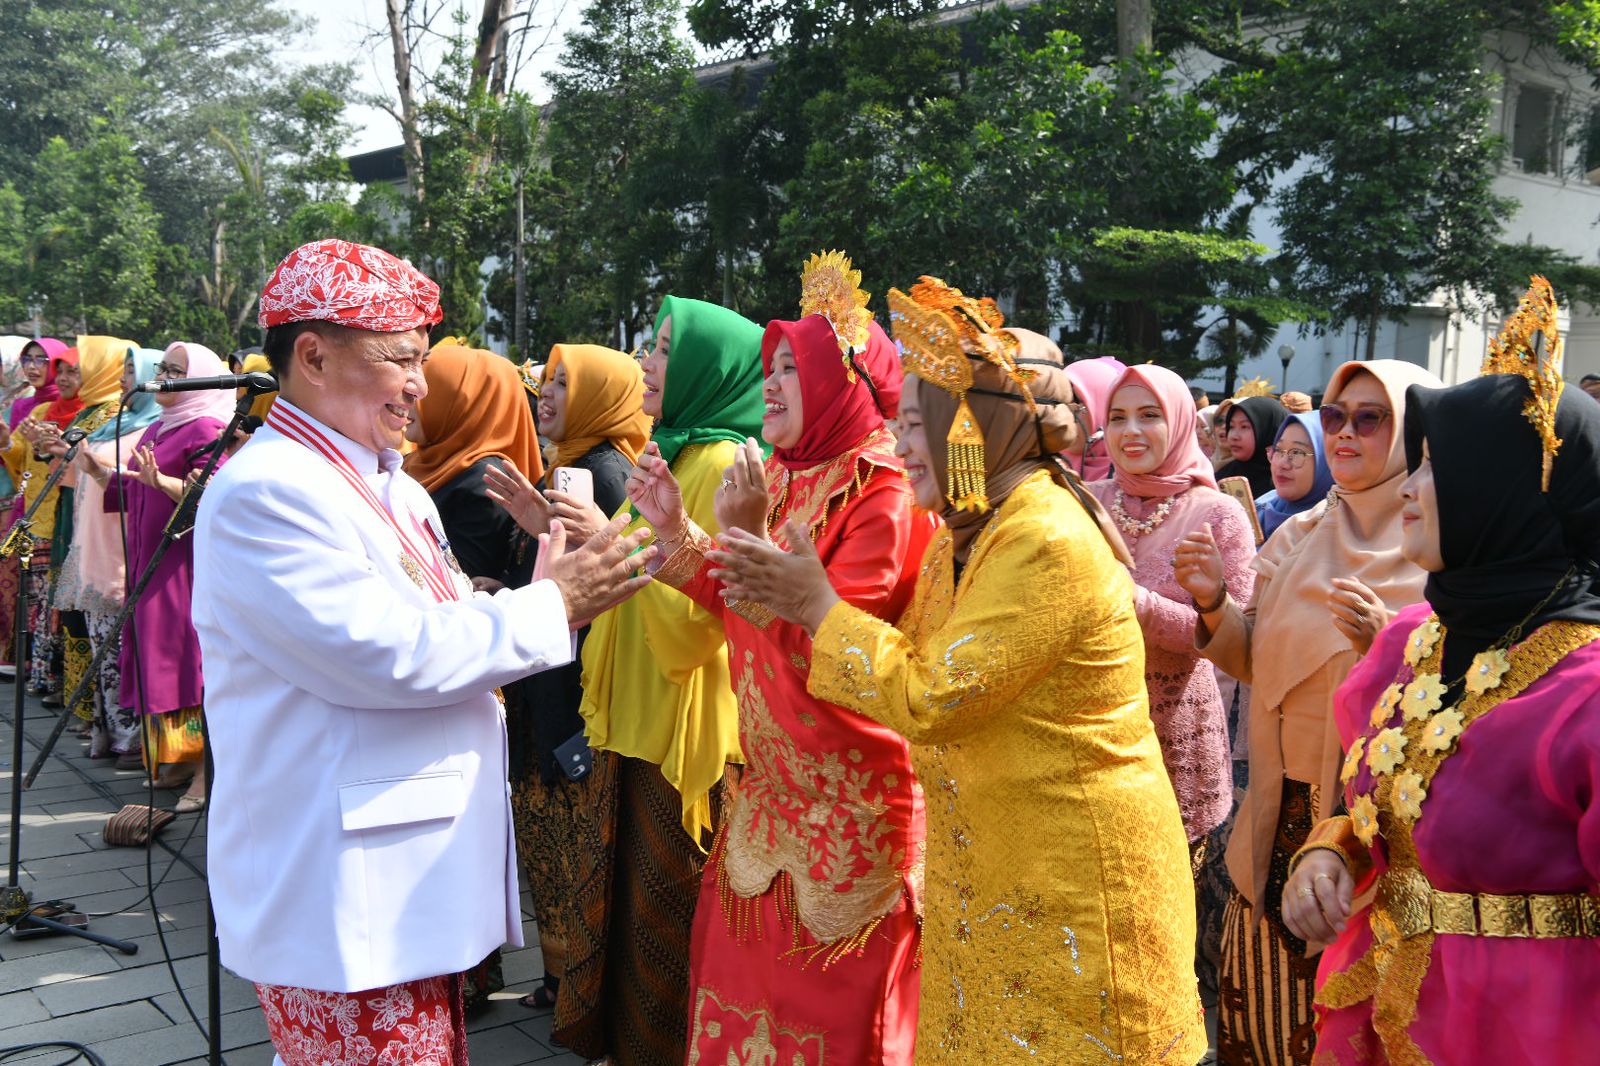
(20, 542)
(181, 522)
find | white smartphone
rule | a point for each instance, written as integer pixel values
(575, 482)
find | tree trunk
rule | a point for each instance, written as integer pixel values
(1372, 333)
(1135, 32)
(489, 59)
(398, 11)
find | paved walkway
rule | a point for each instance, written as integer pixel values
(128, 1008)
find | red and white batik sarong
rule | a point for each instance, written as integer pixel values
(418, 1023)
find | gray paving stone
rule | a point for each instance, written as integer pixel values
(506, 1045)
(258, 1055)
(243, 1028)
(20, 1008)
(156, 1048)
(57, 966)
(65, 866)
(101, 990)
(94, 1026)
(72, 885)
(237, 995)
(179, 942)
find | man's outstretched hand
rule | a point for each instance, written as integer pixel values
(598, 574)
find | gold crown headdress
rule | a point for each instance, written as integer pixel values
(939, 331)
(830, 288)
(1529, 346)
(1253, 387)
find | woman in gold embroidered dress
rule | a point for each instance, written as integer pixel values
(1326, 582)
(1059, 920)
(1473, 775)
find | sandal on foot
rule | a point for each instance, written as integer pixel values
(543, 997)
(188, 804)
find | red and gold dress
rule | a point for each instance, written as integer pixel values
(805, 945)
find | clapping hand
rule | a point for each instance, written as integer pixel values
(791, 584)
(527, 506)
(655, 492)
(150, 474)
(741, 501)
(1357, 611)
(1197, 566)
(598, 574)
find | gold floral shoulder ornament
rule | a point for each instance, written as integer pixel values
(1529, 346)
(830, 287)
(939, 331)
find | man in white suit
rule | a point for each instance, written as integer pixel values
(361, 851)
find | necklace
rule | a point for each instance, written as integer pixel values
(1138, 527)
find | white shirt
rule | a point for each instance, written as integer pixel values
(360, 822)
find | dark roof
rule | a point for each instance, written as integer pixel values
(386, 164)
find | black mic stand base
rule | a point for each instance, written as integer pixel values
(14, 905)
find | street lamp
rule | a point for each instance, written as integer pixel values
(1286, 356)
(35, 309)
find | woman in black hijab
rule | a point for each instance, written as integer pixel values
(1473, 773)
(1252, 426)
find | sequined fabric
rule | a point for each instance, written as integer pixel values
(1059, 917)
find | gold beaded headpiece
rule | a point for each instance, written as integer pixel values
(1254, 387)
(830, 288)
(939, 331)
(529, 371)
(1529, 345)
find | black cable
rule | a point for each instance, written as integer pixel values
(151, 765)
(78, 1050)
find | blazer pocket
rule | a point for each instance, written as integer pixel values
(401, 800)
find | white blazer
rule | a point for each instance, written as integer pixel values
(360, 823)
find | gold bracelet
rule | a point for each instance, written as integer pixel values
(1338, 835)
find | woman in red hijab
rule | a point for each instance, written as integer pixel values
(805, 937)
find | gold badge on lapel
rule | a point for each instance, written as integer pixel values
(412, 568)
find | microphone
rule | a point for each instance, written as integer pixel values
(255, 381)
(73, 436)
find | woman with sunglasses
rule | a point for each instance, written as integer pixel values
(1327, 582)
(1300, 475)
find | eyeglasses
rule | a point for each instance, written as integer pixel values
(35, 360)
(1293, 458)
(167, 370)
(1365, 420)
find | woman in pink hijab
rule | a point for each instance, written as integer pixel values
(1092, 381)
(1161, 489)
(161, 668)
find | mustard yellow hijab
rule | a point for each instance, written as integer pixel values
(100, 359)
(605, 401)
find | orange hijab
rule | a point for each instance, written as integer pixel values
(476, 407)
(605, 401)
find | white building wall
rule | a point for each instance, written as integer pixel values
(1560, 210)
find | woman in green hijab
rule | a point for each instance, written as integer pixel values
(656, 691)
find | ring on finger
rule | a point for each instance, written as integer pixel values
(1307, 892)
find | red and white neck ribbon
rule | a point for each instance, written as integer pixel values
(429, 556)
